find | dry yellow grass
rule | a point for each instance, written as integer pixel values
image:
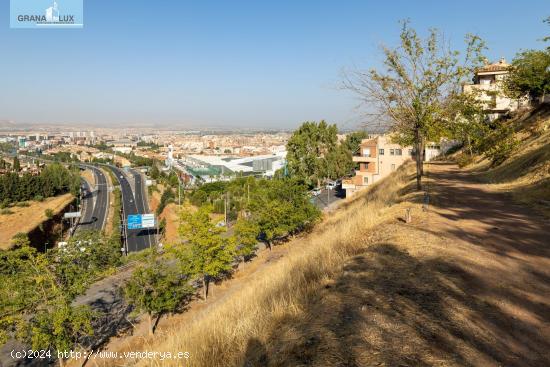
(219, 336)
(89, 176)
(526, 174)
(111, 210)
(25, 219)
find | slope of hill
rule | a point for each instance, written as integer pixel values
(526, 173)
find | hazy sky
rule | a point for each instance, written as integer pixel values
(228, 63)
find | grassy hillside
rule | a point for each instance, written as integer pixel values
(228, 332)
(526, 173)
(26, 218)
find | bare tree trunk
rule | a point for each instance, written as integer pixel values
(469, 146)
(204, 287)
(418, 157)
(422, 155)
(150, 316)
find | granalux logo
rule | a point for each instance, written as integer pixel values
(46, 14)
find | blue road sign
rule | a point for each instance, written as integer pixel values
(134, 221)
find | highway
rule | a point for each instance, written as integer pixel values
(87, 206)
(96, 202)
(96, 207)
(134, 203)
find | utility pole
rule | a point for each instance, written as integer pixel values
(225, 209)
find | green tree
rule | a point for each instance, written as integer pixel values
(82, 259)
(156, 289)
(35, 304)
(410, 93)
(60, 326)
(308, 149)
(547, 21)
(281, 207)
(246, 236)
(468, 124)
(529, 75)
(154, 173)
(205, 252)
(16, 164)
(166, 198)
(350, 146)
(353, 140)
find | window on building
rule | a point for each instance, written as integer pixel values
(366, 152)
(392, 151)
(398, 152)
(365, 180)
(381, 151)
(393, 167)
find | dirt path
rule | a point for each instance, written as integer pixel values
(502, 260)
(467, 283)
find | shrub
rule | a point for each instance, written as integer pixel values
(499, 152)
(6, 211)
(166, 198)
(22, 204)
(39, 198)
(20, 239)
(464, 159)
(49, 213)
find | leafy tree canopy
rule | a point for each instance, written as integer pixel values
(529, 75)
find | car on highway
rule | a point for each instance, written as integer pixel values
(316, 191)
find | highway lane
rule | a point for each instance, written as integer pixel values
(141, 201)
(87, 206)
(136, 239)
(101, 206)
(97, 202)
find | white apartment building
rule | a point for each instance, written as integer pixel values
(488, 86)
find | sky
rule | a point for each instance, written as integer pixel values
(234, 64)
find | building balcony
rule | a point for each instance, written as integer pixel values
(363, 159)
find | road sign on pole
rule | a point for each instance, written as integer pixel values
(134, 221)
(140, 221)
(69, 215)
(147, 221)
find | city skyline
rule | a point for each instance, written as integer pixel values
(216, 65)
